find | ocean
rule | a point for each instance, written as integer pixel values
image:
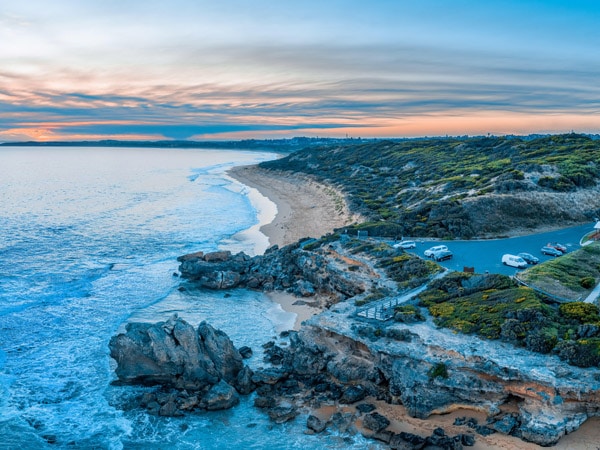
(89, 240)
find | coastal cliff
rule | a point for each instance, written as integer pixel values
(434, 371)
(410, 360)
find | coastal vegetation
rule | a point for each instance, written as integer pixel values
(572, 276)
(458, 187)
(406, 269)
(496, 307)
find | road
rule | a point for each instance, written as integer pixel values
(486, 255)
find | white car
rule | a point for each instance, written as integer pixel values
(431, 251)
(405, 245)
(514, 261)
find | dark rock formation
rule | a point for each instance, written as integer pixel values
(353, 394)
(375, 421)
(246, 352)
(168, 353)
(172, 354)
(315, 424)
(220, 396)
(303, 273)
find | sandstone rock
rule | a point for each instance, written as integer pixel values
(274, 355)
(191, 257)
(265, 402)
(221, 351)
(243, 382)
(189, 403)
(245, 352)
(505, 425)
(306, 273)
(269, 376)
(343, 422)
(304, 288)
(365, 407)
(397, 443)
(169, 409)
(467, 440)
(283, 413)
(384, 436)
(166, 353)
(174, 355)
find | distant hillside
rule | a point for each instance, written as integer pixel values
(275, 145)
(462, 187)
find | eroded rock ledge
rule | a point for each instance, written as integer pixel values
(432, 371)
(201, 370)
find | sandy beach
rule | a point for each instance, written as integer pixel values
(306, 208)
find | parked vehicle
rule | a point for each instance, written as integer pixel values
(551, 251)
(529, 258)
(442, 255)
(514, 261)
(560, 247)
(405, 245)
(430, 251)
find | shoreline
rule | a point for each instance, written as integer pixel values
(305, 207)
(302, 208)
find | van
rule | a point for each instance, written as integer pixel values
(514, 261)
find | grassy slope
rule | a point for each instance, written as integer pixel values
(571, 276)
(496, 307)
(458, 187)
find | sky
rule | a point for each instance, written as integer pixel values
(238, 69)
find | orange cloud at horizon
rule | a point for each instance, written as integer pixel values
(48, 135)
(450, 123)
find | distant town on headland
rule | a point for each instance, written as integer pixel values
(282, 145)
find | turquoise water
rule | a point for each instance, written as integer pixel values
(89, 240)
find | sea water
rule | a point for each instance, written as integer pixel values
(88, 242)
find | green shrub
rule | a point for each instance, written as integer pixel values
(439, 370)
(587, 282)
(581, 353)
(408, 314)
(541, 340)
(580, 312)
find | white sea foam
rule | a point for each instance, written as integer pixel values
(89, 241)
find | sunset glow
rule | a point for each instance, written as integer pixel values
(197, 70)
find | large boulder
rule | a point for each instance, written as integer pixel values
(173, 354)
(219, 348)
(220, 396)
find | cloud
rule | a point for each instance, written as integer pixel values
(199, 89)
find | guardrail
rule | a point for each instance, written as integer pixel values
(546, 294)
(383, 310)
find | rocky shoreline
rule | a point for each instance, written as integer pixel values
(338, 358)
(201, 370)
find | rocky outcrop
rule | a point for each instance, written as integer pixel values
(174, 355)
(291, 268)
(436, 371)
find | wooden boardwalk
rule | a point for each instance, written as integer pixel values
(384, 309)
